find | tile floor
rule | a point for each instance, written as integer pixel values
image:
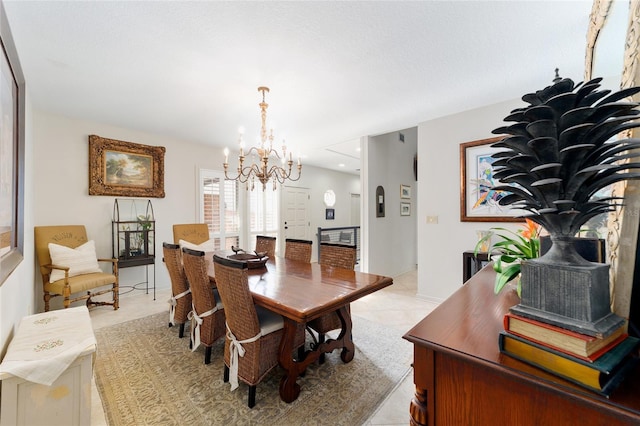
(396, 306)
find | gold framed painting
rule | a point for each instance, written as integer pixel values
(125, 168)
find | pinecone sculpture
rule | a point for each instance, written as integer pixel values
(559, 153)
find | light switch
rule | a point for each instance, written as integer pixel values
(432, 219)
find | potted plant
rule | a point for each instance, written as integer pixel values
(558, 153)
(142, 238)
(508, 253)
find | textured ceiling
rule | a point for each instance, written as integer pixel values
(337, 70)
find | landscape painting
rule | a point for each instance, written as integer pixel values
(125, 168)
(128, 169)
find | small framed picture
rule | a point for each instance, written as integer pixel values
(405, 191)
(405, 209)
(329, 214)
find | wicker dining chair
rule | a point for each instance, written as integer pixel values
(298, 250)
(266, 244)
(196, 233)
(180, 302)
(208, 314)
(338, 256)
(256, 329)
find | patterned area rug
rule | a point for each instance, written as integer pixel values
(146, 375)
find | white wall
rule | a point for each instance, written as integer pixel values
(440, 245)
(390, 240)
(17, 293)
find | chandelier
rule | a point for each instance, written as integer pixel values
(267, 163)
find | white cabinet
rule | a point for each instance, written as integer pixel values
(68, 400)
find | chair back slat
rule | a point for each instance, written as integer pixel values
(233, 286)
(70, 236)
(196, 233)
(173, 261)
(338, 255)
(266, 244)
(195, 268)
(299, 250)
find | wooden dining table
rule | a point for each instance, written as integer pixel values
(301, 292)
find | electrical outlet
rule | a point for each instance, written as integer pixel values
(432, 219)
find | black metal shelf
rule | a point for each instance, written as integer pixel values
(133, 237)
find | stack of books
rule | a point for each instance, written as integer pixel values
(598, 363)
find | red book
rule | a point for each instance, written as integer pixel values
(587, 348)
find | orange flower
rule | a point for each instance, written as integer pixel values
(531, 230)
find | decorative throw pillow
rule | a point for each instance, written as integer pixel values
(81, 260)
(207, 246)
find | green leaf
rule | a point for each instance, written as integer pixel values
(502, 278)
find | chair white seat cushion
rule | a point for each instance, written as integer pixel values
(207, 246)
(269, 321)
(80, 260)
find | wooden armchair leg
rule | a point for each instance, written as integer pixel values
(47, 298)
(116, 298)
(181, 332)
(225, 376)
(207, 355)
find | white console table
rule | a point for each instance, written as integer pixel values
(46, 373)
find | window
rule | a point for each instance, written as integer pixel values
(219, 208)
(263, 214)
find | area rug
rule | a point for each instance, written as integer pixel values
(146, 375)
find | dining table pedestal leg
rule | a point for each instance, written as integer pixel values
(289, 388)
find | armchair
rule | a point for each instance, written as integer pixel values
(76, 267)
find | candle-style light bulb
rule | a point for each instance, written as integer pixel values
(241, 140)
(226, 155)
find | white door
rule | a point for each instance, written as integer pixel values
(296, 213)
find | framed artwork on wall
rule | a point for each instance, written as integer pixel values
(405, 191)
(329, 214)
(478, 201)
(12, 148)
(125, 169)
(405, 209)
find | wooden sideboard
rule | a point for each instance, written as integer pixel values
(462, 378)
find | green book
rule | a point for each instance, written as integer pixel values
(602, 375)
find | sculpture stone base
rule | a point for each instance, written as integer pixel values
(575, 297)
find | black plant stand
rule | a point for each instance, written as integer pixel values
(133, 238)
